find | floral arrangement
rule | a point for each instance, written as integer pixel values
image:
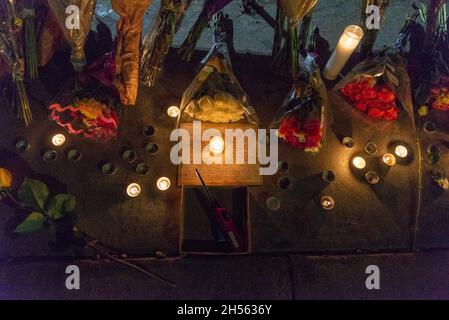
(367, 95)
(439, 94)
(39, 208)
(287, 56)
(75, 37)
(215, 95)
(302, 117)
(11, 51)
(127, 47)
(157, 42)
(88, 117)
(302, 132)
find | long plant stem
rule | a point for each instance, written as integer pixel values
(93, 246)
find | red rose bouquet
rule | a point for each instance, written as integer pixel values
(367, 95)
(301, 119)
(378, 86)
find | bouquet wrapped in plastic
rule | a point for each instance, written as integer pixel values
(49, 39)
(11, 52)
(215, 95)
(75, 34)
(88, 117)
(157, 42)
(379, 87)
(434, 91)
(304, 113)
(210, 8)
(294, 10)
(127, 47)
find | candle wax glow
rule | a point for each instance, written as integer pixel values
(133, 190)
(163, 183)
(389, 159)
(58, 140)
(216, 145)
(401, 151)
(359, 163)
(173, 111)
(327, 203)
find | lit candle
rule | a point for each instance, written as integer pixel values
(401, 151)
(163, 183)
(173, 111)
(327, 203)
(348, 42)
(389, 159)
(58, 140)
(359, 163)
(133, 190)
(216, 145)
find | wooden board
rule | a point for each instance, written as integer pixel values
(221, 174)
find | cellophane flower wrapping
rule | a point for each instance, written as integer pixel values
(287, 58)
(127, 47)
(304, 114)
(87, 117)
(158, 40)
(434, 91)
(379, 87)
(210, 8)
(75, 37)
(215, 95)
(50, 38)
(12, 54)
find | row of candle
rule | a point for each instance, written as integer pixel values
(388, 158)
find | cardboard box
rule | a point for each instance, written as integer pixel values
(196, 231)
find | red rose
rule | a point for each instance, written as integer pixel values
(369, 93)
(375, 113)
(387, 97)
(361, 106)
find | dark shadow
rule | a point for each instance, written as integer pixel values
(388, 194)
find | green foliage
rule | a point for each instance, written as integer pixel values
(33, 194)
(32, 223)
(54, 212)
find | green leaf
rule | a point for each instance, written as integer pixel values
(60, 204)
(33, 194)
(32, 223)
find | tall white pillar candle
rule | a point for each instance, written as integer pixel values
(346, 46)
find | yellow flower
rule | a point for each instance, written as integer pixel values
(423, 111)
(90, 108)
(5, 179)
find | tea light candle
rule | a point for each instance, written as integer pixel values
(401, 151)
(348, 42)
(359, 163)
(389, 159)
(216, 145)
(58, 140)
(133, 190)
(327, 203)
(163, 183)
(173, 111)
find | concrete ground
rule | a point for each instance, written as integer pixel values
(402, 276)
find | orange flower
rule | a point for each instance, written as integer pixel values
(90, 108)
(5, 179)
